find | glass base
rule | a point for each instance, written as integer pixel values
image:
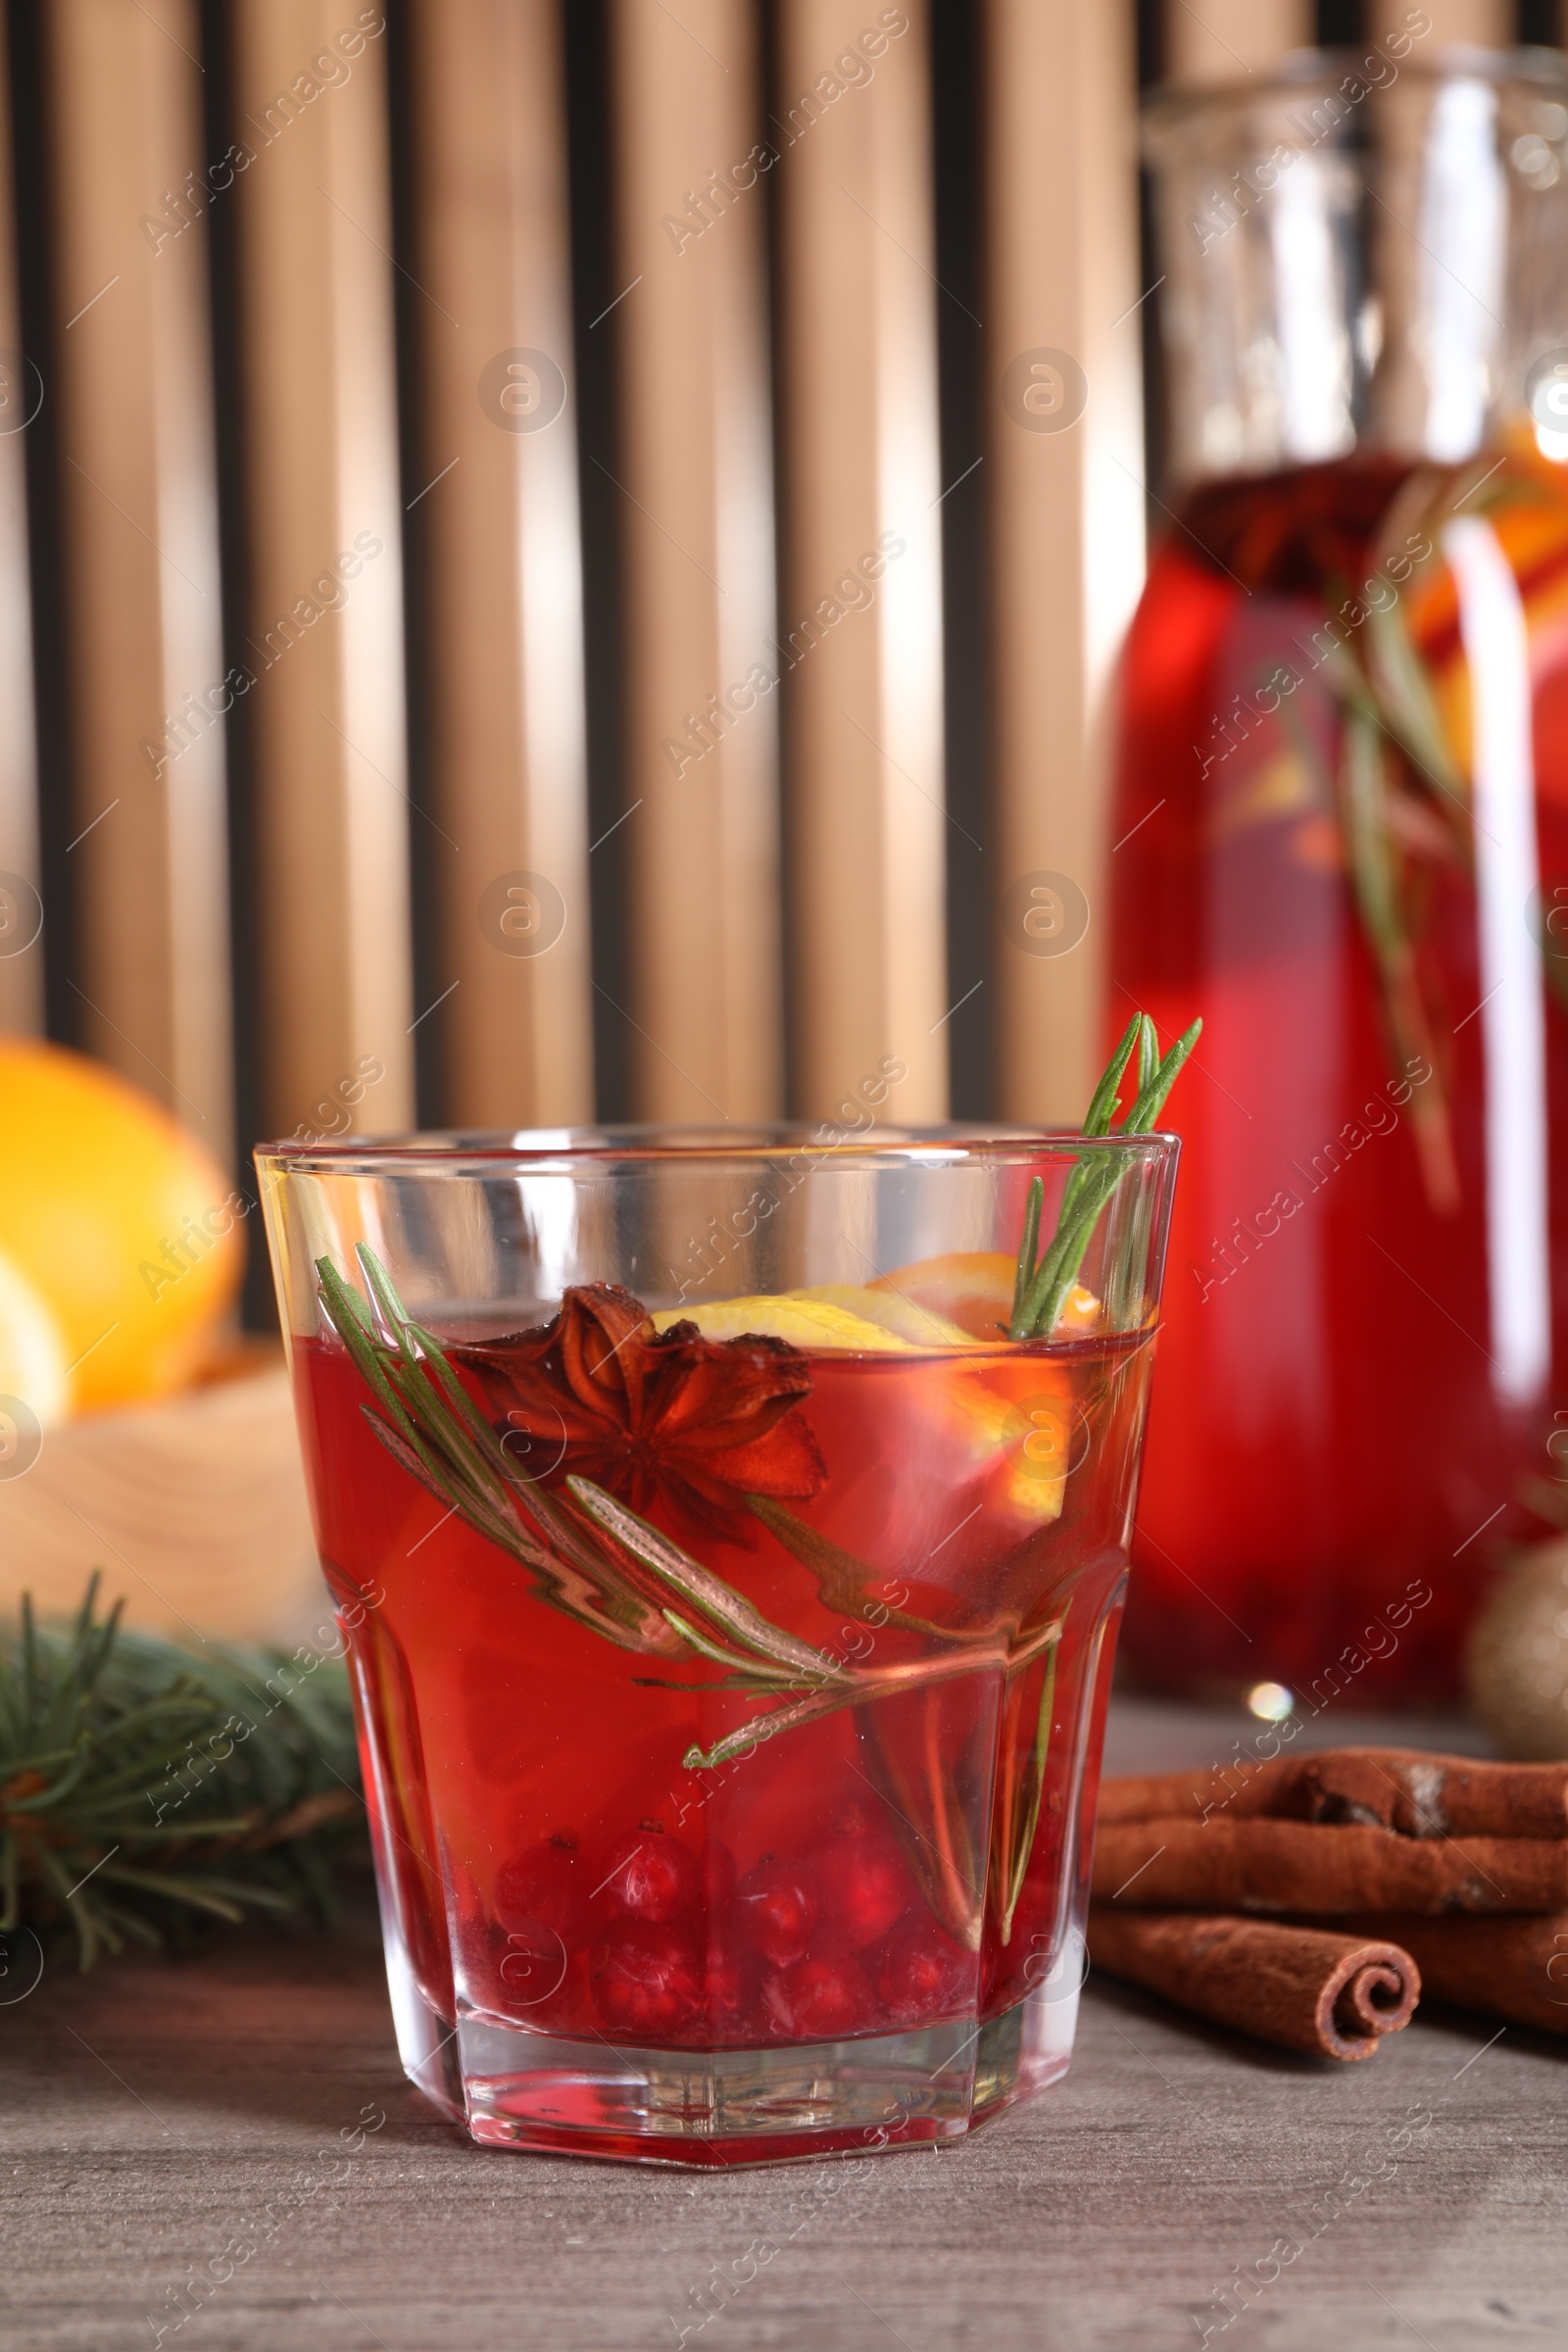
(725, 2107)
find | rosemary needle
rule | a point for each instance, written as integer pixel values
(1041, 1284)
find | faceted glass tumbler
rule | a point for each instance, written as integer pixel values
(730, 1606)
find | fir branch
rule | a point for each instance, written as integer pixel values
(142, 1783)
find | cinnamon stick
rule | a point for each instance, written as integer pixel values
(1302, 1988)
(1510, 1968)
(1405, 1789)
(1315, 1867)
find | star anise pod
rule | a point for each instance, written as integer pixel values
(698, 1424)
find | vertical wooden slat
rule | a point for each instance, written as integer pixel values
(495, 515)
(323, 624)
(147, 860)
(1490, 23)
(1228, 39)
(20, 906)
(701, 768)
(862, 628)
(1065, 479)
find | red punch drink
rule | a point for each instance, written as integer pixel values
(731, 1671)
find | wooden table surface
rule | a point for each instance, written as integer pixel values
(157, 2121)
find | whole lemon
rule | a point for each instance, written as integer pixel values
(117, 1220)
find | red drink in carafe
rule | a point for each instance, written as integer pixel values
(1365, 1313)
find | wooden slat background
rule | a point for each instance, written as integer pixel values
(492, 537)
(147, 856)
(692, 475)
(22, 996)
(862, 541)
(1064, 287)
(343, 320)
(323, 512)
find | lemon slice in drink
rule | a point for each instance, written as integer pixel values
(806, 1322)
(893, 1312)
(973, 1289)
(968, 1411)
(969, 1287)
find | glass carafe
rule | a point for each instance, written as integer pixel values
(1341, 818)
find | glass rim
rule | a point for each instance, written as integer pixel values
(565, 1150)
(1170, 108)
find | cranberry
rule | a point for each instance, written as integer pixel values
(545, 1887)
(732, 1974)
(778, 1904)
(652, 1876)
(648, 1980)
(533, 1969)
(820, 1997)
(925, 1975)
(869, 1890)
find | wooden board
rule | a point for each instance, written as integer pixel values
(153, 2117)
(194, 1509)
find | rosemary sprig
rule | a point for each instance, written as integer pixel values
(1041, 1287)
(843, 1579)
(1403, 799)
(919, 1770)
(588, 1553)
(594, 1559)
(727, 1610)
(857, 1685)
(1371, 845)
(141, 1784)
(457, 1456)
(1019, 1841)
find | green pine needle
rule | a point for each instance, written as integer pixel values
(143, 1785)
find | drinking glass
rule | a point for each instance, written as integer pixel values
(729, 1604)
